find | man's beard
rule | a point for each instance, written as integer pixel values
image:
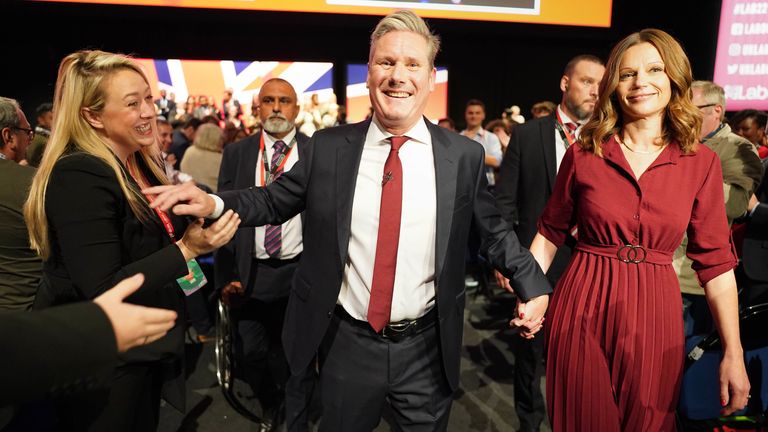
(277, 124)
(579, 111)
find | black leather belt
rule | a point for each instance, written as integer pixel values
(395, 331)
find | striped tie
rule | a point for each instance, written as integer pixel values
(273, 235)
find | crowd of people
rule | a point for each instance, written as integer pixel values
(340, 250)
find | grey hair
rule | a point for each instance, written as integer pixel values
(712, 93)
(9, 113)
(405, 20)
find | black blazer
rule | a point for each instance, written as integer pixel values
(55, 352)
(238, 171)
(323, 184)
(526, 178)
(96, 241)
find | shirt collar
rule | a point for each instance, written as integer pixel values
(564, 117)
(418, 133)
(269, 140)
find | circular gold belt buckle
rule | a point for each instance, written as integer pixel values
(632, 254)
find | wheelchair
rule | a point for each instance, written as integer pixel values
(699, 405)
(227, 364)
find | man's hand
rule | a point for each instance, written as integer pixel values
(195, 201)
(502, 281)
(530, 315)
(133, 325)
(232, 294)
(198, 240)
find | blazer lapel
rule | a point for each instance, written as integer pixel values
(446, 172)
(250, 159)
(547, 130)
(348, 156)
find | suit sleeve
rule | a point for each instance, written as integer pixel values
(225, 264)
(85, 206)
(279, 201)
(709, 240)
(509, 179)
(55, 352)
(502, 247)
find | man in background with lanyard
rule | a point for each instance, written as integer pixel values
(254, 271)
(526, 179)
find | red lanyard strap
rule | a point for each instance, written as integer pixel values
(564, 134)
(281, 161)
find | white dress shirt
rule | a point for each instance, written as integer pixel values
(291, 231)
(414, 289)
(561, 144)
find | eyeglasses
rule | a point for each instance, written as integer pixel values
(705, 106)
(30, 132)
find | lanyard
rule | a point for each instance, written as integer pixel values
(160, 213)
(568, 139)
(282, 159)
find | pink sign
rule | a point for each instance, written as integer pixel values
(741, 63)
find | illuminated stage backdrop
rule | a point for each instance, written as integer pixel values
(358, 103)
(592, 13)
(211, 77)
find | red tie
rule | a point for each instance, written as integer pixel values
(572, 128)
(384, 267)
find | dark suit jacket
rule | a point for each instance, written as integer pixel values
(96, 241)
(323, 184)
(526, 178)
(55, 352)
(238, 171)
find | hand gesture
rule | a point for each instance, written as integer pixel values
(133, 325)
(734, 384)
(530, 315)
(194, 201)
(502, 281)
(199, 241)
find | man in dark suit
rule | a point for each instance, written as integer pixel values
(254, 271)
(526, 179)
(165, 105)
(389, 202)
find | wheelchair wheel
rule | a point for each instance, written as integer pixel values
(225, 362)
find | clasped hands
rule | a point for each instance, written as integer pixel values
(529, 316)
(188, 199)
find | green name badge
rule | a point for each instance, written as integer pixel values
(194, 280)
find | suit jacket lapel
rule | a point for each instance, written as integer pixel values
(348, 156)
(250, 159)
(446, 172)
(547, 130)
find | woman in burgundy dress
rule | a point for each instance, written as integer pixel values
(635, 183)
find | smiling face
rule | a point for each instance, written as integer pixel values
(400, 79)
(644, 89)
(127, 120)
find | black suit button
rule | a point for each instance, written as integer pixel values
(330, 314)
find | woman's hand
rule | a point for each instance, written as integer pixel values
(734, 384)
(530, 315)
(199, 241)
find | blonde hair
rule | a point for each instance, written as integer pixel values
(80, 86)
(405, 20)
(682, 120)
(209, 137)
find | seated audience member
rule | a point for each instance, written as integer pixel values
(751, 124)
(543, 109)
(89, 221)
(203, 159)
(44, 117)
(20, 267)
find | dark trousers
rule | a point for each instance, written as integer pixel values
(529, 402)
(132, 403)
(260, 350)
(360, 372)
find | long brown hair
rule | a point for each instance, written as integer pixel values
(80, 85)
(682, 120)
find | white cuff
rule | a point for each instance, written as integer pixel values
(218, 209)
